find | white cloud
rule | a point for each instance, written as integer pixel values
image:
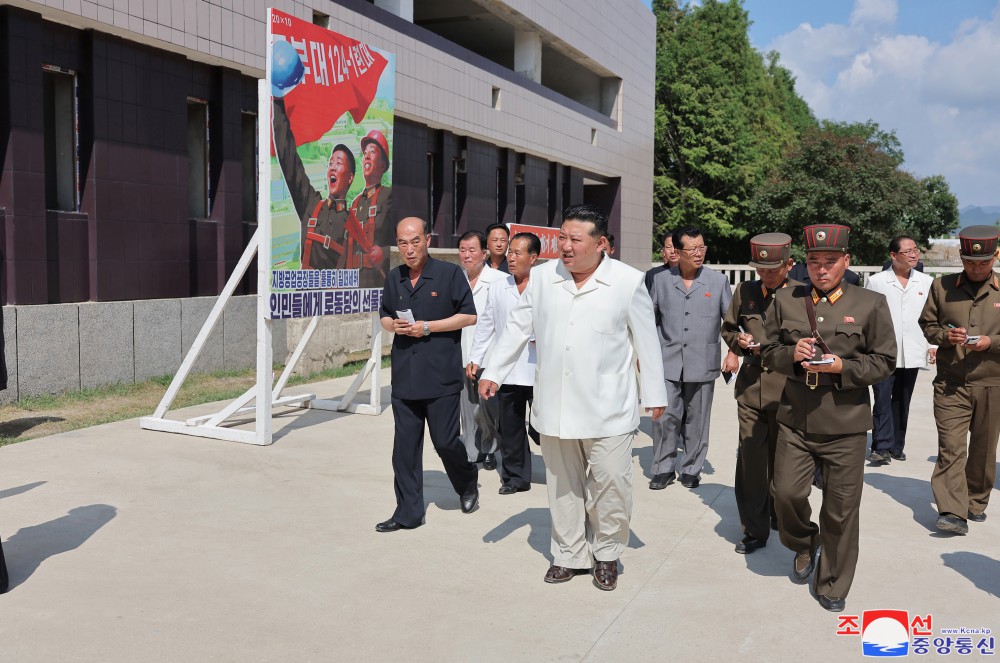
(874, 12)
(940, 98)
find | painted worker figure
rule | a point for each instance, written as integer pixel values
(758, 390)
(323, 220)
(368, 242)
(962, 317)
(832, 341)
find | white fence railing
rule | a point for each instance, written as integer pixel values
(741, 273)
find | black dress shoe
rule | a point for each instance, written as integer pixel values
(749, 544)
(470, 501)
(830, 603)
(508, 489)
(879, 458)
(949, 522)
(800, 573)
(391, 526)
(490, 462)
(690, 480)
(897, 455)
(661, 481)
(977, 517)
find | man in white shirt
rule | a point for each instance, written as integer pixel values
(479, 420)
(906, 290)
(515, 394)
(592, 319)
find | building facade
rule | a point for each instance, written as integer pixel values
(128, 131)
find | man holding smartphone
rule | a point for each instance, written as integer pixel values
(962, 316)
(832, 340)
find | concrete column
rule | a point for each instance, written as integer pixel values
(401, 8)
(528, 54)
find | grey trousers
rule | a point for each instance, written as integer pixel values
(689, 411)
(589, 484)
(480, 421)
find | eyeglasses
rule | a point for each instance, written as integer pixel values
(698, 250)
(909, 252)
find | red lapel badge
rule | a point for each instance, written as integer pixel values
(708, 294)
(848, 319)
(433, 294)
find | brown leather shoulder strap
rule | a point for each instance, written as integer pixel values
(811, 312)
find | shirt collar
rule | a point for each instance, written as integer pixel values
(830, 297)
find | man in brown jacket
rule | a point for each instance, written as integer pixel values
(832, 341)
(962, 317)
(758, 390)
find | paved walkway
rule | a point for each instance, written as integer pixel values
(130, 545)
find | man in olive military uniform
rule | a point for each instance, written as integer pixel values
(324, 220)
(758, 390)
(962, 317)
(371, 232)
(832, 341)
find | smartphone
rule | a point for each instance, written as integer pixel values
(753, 346)
(971, 340)
(821, 362)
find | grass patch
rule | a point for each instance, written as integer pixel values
(37, 416)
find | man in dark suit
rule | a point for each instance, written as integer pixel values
(689, 302)
(426, 303)
(832, 341)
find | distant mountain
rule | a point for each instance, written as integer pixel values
(978, 216)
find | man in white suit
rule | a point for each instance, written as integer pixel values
(480, 421)
(516, 393)
(591, 318)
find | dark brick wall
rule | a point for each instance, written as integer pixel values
(132, 237)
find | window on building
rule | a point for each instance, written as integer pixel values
(459, 189)
(249, 144)
(61, 143)
(197, 144)
(430, 191)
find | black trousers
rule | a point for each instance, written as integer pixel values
(4, 580)
(515, 466)
(441, 416)
(892, 409)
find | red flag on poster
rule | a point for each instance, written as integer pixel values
(337, 75)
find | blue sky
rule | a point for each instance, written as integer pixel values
(927, 69)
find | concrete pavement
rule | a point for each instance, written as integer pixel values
(132, 545)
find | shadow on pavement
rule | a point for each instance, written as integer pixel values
(16, 427)
(980, 570)
(30, 546)
(537, 521)
(11, 492)
(915, 494)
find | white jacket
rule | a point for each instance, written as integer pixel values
(487, 277)
(588, 340)
(905, 304)
(502, 299)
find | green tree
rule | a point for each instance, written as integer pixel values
(851, 173)
(723, 118)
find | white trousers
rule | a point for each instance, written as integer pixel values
(589, 483)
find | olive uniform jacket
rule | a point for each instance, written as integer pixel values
(857, 327)
(952, 301)
(756, 386)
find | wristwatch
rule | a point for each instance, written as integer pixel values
(427, 329)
